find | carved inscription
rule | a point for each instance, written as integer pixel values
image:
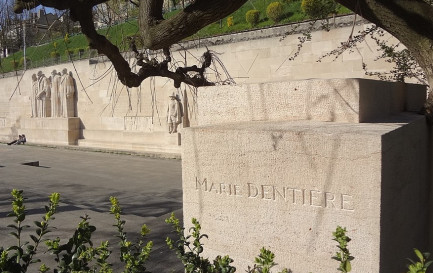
(294, 196)
(136, 123)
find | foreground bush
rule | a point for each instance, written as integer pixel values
(79, 255)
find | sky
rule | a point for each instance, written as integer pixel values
(47, 10)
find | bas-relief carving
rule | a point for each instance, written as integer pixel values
(43, 96)
(291, 195)
(54, 96)
(34, 95)
(67, 91)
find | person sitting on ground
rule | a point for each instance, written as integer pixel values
(21, 140)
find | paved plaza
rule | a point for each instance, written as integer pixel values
(148, 191)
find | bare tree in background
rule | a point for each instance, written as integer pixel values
(67, 25)
(10, 28)
(4, 28)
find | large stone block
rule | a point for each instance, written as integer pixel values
(338, 100)
(281, 165)
(288, 185)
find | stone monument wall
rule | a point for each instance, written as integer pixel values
(281, 165)
(113, 116)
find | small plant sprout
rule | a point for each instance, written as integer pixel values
(133, 255)
(420, 266)
(189, 249)
(343, 255)
(264, 262)
(17, 258)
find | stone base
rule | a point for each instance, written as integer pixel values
(56, 131)
(287, 186)
(152, 142)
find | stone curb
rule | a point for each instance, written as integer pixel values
(109, 151)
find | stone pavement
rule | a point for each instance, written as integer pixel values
(148, 191)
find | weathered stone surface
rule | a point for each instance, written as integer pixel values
(105, 107)
(287, 184)
(58, 131)
(338, 100)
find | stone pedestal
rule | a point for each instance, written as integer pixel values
(287, 183)
(57, 131)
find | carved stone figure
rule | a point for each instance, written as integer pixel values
(55, 94)
(33, 96)
(174, 114)
(67, 91)
(44, 94)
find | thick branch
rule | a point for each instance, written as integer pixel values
(126, 76)
(159, 34)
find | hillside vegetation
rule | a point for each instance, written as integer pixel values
(63, 49)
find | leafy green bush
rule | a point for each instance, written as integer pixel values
(18, 258)
(319, 9)
(66, 39)
(422, 265)
(78, 253)
(274, 11)
(252, 17)
(230, 21)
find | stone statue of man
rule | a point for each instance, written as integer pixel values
(174, 114)
(55, 94)
(33, 96)
(44, 94)
(67, 91)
